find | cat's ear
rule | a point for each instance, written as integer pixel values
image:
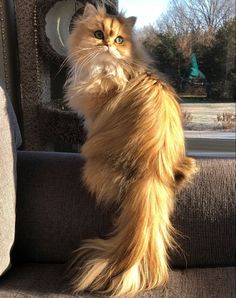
(131, 21)
(89, 10)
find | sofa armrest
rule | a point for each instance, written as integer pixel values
(55, 212)
(205, 215)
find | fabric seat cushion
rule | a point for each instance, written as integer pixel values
(55, 212)
(46, 280)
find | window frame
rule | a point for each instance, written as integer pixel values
(211, 147)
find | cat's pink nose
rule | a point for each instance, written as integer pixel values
(106, 48)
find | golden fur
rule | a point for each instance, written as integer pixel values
(135, 155)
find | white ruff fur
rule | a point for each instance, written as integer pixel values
(89, 78)
(104, 65)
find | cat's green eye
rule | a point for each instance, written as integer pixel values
(119, 39)
(99, 34)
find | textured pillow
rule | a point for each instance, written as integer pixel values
(9, 140)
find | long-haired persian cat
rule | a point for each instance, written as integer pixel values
(135, 154)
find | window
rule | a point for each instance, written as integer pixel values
(195, 49)
(198, 58)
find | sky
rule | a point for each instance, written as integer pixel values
(147, 11)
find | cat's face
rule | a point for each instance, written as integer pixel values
(100, 37)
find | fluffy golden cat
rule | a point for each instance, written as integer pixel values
(135, 154)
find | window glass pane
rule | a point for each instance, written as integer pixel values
(193, 43)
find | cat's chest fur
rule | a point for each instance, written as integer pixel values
(93, 89)
(98, 74)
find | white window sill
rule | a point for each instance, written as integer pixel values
(211, 144)
(209, 134)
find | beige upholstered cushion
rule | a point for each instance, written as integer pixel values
(9, 139)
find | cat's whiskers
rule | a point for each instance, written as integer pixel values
(78, 68)
(63, 64)
(70, 57)
(75, 53)
(89, 58)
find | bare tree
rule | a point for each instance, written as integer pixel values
(184, 16)
(195, 20)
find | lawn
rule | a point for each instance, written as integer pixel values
(203, 116)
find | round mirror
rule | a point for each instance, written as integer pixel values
(54, 19)
(58, 22)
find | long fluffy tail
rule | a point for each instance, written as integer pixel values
(134, 258)
(149, 154)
